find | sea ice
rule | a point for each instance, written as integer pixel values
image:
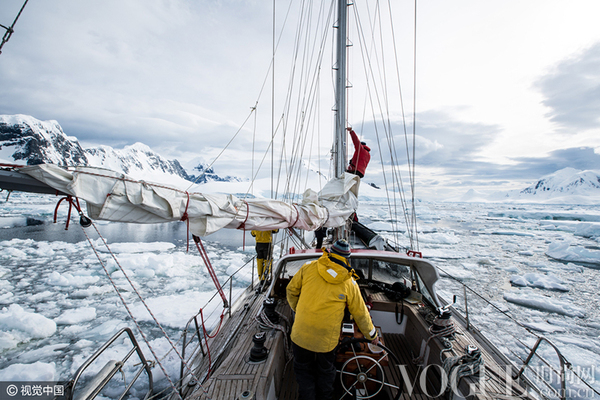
(66, 279)
(47, 352)
(545, 327)
(550, 282)
(455, 272)
(564, 251)
(544, 303)
(137, 247)
(31, 324)
(76, 316)
(38, 371)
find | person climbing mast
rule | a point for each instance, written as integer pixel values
(264, 248)
(361, 157)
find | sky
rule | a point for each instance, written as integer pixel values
(506, 92)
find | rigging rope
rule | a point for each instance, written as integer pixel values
(381, 101)
(209, 267)
(10, 29)
(143, 302)
(127, 307)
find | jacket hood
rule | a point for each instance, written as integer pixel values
(330, 271)
(367, 148)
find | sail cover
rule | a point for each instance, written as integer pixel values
(113, 196)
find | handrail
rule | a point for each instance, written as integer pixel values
(194, 319)
(115, 367)
(563, 362)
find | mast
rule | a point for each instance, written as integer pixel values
(340, 91)
(340, 101)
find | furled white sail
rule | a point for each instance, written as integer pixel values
(113, 196)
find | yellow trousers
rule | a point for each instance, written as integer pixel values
(263, 267)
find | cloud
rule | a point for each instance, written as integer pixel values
(582, 158)
(441, 140)
(572, 91)
(447, 153)
(154, 71)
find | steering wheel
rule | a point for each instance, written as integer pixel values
(364, 375)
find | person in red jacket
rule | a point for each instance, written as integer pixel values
(361, 157)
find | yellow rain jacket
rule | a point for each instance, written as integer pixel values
(264, 236)
(319, 293)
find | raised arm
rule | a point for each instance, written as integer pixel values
(354, 137)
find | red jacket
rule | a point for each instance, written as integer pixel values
(361, 157)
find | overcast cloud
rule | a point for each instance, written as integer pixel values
(499, 88)
(572, 91)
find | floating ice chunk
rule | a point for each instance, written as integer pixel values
(380, 226)
(446, 254)
(13, 253)
(517, 280)
(100, 332)
(563, 251)
(91, 291)
(5, 284)
(439, 238)
(550, 282)
(512, 268)
(527, 253)
(544, 303)
(9, 340)
(83, 343)
(12, 221)
(7, 298)
(512, 233)
(472, 266)
(172, 310)
(49, 352)
(37, 371)
(495, 306)
(137, 247)
(587, 229)
(545, 327)
(35, 325)
(76, 316)
(455, 272)
(66, 279)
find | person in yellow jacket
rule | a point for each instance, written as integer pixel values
(264, 246)
(319, 293)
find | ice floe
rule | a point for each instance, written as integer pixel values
(29, 324)
(550, 282)
(76, 316)
(38, 371)
(544, 303)
(565, 251)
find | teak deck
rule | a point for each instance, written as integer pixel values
(235, 374)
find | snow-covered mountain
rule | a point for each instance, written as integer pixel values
(566, 181)
(565, 186)
(137, 160)
(207, 174)
(27, 140)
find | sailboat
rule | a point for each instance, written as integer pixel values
(427, 348)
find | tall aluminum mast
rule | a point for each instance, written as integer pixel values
(340, 102)
(340, 91)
